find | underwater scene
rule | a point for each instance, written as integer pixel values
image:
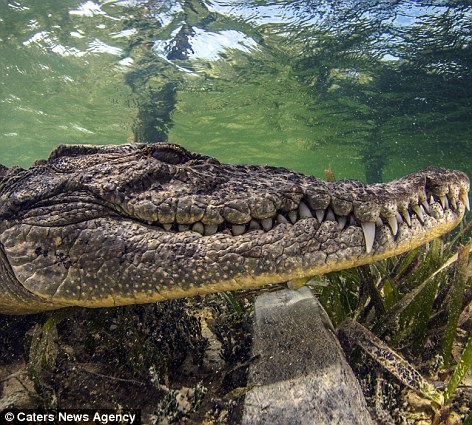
(372, 89)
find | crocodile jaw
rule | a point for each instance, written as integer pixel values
(88, 245)
(203, 264)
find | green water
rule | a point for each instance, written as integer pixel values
(372, 89)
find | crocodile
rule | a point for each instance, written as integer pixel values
(98, 226)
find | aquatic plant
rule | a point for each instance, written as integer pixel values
(418, 303)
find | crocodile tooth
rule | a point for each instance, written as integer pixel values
(210, 229)
(464, 198)
(167, 226)
(425, 205)
(419, 212)
(406, 216)
(293, 216)
(393, 223)
(198, 227)
(342, 220)
(399, 217)
(281, 219)
(444, 201)
(304, 211)
(454, 195)
(369, 235)
(320, 215)
(254, 225)
(330, 215)
(183, 227)
(238, 229)
(266, 224)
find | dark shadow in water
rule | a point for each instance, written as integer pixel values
(154, 120)
(155, 80)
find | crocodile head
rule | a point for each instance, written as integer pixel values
(112, 225)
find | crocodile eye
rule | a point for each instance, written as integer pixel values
(170, 156)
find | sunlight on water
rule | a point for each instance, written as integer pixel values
(374, 92)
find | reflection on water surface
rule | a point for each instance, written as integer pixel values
(373, 89)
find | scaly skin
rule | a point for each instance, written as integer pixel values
(98, 226)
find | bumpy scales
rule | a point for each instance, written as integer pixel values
(98, 226)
